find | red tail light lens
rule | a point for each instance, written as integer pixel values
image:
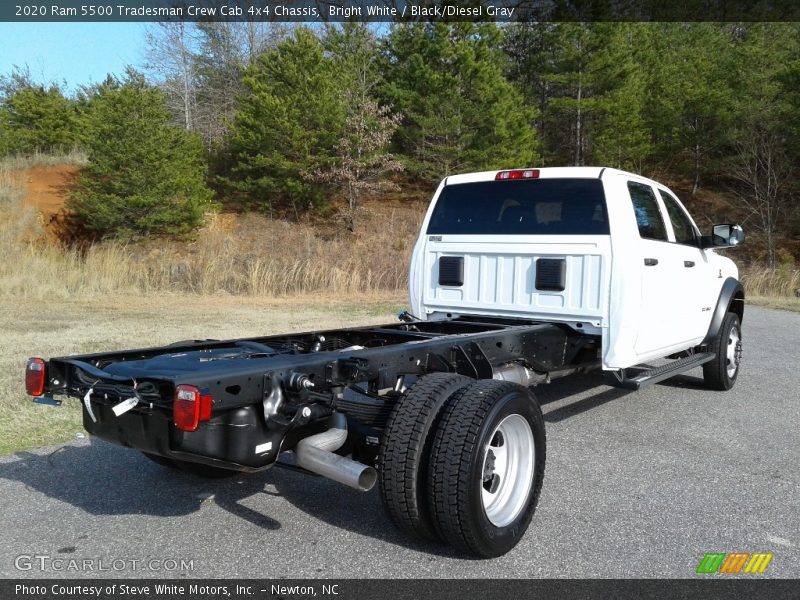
(517, 174)
(35, 376)
(190, 407)
(205, 407)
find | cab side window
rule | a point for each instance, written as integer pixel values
(648, 214)
(681, 224)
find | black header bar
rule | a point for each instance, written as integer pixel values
(391, 11)
(705, 587)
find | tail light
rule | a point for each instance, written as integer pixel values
(190, 407)
(517, 174)
(35, 376)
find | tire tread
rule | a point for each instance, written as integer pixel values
(403, 456)
(449, 472)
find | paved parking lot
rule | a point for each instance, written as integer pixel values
(638, 484)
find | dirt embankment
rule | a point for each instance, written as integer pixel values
(46, 189)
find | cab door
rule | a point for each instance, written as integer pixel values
(691, 266)
(661, 314)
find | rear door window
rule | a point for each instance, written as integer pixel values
(648, 214)
(522, 207)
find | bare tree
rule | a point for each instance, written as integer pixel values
(762, 170)
(226, 50)
(362, 162)
(171, 57)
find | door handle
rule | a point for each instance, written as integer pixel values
(650, 262)
(688, 263)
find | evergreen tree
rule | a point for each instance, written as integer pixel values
(620, 135)
(689, 96)
(35, 118)
(460, 113)
(762, 164)
(145, 175)
(287, 124)
(592, 112)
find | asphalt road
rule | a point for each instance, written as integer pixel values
(638, 484)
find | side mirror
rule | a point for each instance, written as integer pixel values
(725, 236)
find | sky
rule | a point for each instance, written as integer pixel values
(79, 53)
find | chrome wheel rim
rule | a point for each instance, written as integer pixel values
(507, 470)
(734, 352)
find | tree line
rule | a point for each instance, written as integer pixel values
(290, 120)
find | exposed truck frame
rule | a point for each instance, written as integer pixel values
(309, 375)
(438, 409)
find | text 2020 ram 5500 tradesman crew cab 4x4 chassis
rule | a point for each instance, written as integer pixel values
(517, 277)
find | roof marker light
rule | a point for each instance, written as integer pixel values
(517, 174)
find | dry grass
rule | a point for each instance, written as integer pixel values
(26, 161)
(250, 255)
(760, 281)
(55, 328)
(792, 304)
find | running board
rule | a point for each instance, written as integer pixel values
(649, 376)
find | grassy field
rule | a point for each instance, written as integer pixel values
(54, 328)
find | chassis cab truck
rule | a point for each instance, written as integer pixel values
(518, 277)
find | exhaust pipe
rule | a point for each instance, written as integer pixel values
(315, 453)
(518, 374)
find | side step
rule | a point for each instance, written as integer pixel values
(647, 376)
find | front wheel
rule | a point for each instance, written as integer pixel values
(721, 372)
(487, 467)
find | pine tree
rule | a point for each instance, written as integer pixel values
(287, 124)
(145, 175)
(34, 117)
(460, 113)
(620, 136)
(689, 96)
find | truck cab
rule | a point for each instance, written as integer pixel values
(601, 250)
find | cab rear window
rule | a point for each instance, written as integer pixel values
(522, 207)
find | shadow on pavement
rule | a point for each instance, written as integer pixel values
(561, 389)
(104, 479)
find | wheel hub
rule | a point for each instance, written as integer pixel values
(507, 470)
(734, 352)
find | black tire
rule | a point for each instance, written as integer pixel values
(727, 344)
(405, 451)
(205, 471)
(457, 470)
(160, 460)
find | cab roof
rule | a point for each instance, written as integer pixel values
(544, 173)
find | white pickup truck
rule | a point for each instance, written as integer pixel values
(518, 277)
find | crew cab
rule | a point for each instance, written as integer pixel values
(518, 277)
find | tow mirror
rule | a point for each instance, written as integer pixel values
(726, 236)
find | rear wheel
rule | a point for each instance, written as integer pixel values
(403, 458)
(487, 467)
(721, 372)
